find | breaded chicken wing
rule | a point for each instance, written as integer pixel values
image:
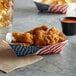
(23, 37)
(54, 36)
(17, 36)
(27, 38)
(44, 27)
(53, 30)
(39, 37)
(62, 37)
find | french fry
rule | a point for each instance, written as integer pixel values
(53, 2)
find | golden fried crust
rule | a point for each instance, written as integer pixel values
(27, 38)
(44, 27)
(53, 30)
(51, 39)
(39, 37)
(17, 36)
(62, 37)
(54, 36)
(23, 37)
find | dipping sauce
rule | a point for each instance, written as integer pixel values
(69, 20)
(68, 25)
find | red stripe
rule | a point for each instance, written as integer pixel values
(56, 46)
(65, 12)
(59, 51)
(44, 49)
(48, 48)
(64, 9)
(64, 45)
(60, 47)
(56, 8)
(52, 7)
(60, 9)
(50, 52)
(51, 48)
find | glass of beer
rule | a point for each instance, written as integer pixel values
(6, 18)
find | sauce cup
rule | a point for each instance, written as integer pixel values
(69, 25)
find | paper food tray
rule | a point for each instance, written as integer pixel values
(63, 9)
(22, 50)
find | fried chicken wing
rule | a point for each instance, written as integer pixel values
(39, 37)
(62, 37)
(44, 27)
(39, 34)
(23, 37)
(53, 39)
(54, 36)
(17, 36)
(27, 38)
(53, 30)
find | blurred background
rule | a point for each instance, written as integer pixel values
(27, 16)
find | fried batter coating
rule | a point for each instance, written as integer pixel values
(39, 34)
(62, 37)
(44, 27)
(23, 37)
(17, 36)
(39, 37)
(27, 38)
(54, 36)
(53, 30)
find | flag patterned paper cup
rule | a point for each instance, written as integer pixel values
(63, 9)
